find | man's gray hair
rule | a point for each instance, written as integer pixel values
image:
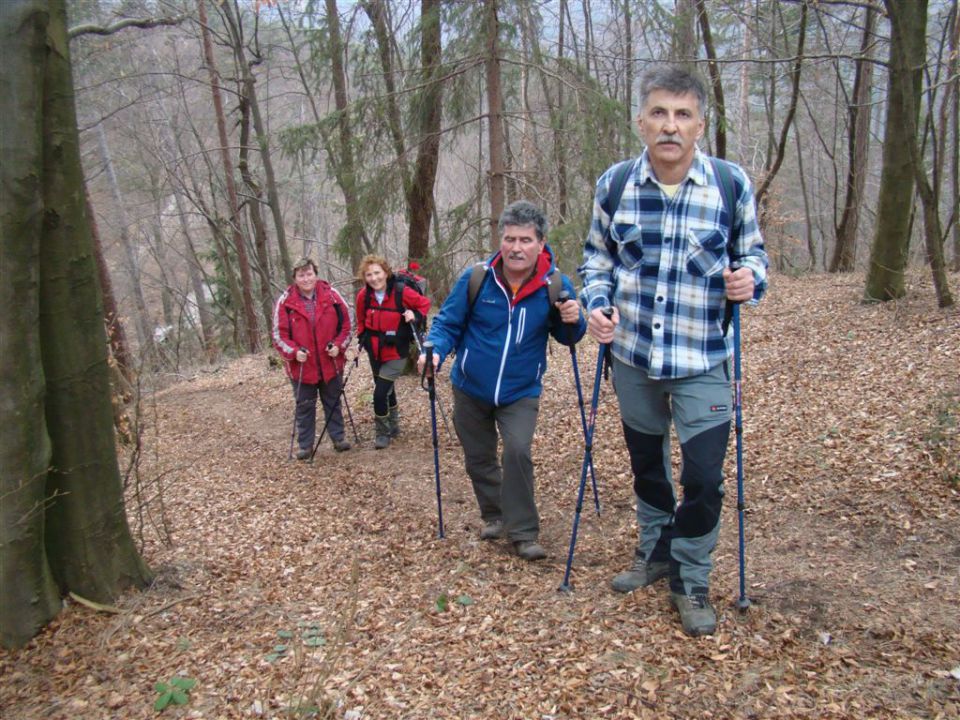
(674, 79)
(523, 213)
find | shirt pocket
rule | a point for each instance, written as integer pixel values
(629, 240)
(706, 252)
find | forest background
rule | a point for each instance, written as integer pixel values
(404, 127)
(164, 162)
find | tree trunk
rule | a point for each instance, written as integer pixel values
(253, 208)
(111, 317)
(858, 143)
(628, 69)
(89, 546)
(909, 24)
(774, 167)
(376, 10)
(720, 107)
(683, 39)
(420, 192)
(239, 244)
(495, 115)
(559, 145)
(28, 594)
(61, 487)
(207, 338)
(891, 241)
(953, 108)
(345, 167)
(263, 142)
(130, 261)
(743, 131)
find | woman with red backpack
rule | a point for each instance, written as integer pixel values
(387, 311)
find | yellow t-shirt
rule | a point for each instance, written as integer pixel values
(670, 190)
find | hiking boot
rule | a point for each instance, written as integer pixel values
(493, 530)
(382, 431)
(393, 421)
(696, 613)
(640, 574)
(342, 445)
(304, 453)
(529, 550)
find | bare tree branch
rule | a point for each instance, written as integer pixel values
(143, 23)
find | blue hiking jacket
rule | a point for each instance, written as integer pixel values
(501, 346)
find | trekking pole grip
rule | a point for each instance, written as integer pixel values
(428, 364)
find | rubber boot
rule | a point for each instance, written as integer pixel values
(382, 431)
(393, 419)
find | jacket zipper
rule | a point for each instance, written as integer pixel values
(506, 341)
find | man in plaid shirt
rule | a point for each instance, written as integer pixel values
(662, 260)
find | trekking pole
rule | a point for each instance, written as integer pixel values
(296, 398)
(587, 455)
(743, 602)
(430, 387)
(419, 342)
(329, 415)
(346, 405)
(564, 296)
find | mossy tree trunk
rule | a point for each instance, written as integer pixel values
(891, 241)
(62, 520)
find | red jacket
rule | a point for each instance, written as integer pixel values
(292, 330)
(385, 317)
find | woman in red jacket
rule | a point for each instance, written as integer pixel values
(386, 313)
(311, 330)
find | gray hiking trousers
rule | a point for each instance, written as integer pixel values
(699, 408)
(503, 492)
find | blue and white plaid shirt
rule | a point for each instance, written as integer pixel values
(661, 265)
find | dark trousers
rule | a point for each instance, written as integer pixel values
(503, 492)
(329, 394)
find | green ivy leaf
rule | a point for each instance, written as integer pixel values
(285, 634)
(161, 687)
(315, 641)
(178, 697)
(442, 603)
(185, 684)
(272, 657)
(280, 648)
(464, 600)
(163, 700)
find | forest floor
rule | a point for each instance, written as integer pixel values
(290, 590)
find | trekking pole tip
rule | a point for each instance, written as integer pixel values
(743, 603)
(565, 588)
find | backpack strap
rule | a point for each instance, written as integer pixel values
(477, 275)
(728, 193)
(336, 306)
(621, 173)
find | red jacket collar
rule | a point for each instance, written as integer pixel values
(544, 263)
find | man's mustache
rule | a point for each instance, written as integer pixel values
(668, 140)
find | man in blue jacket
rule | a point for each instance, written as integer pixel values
(500, 340)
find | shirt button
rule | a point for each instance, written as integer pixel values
(656, 326)
(659, 298)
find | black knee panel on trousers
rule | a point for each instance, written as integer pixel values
(649, 475)
(702, 481)
(382, 390)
